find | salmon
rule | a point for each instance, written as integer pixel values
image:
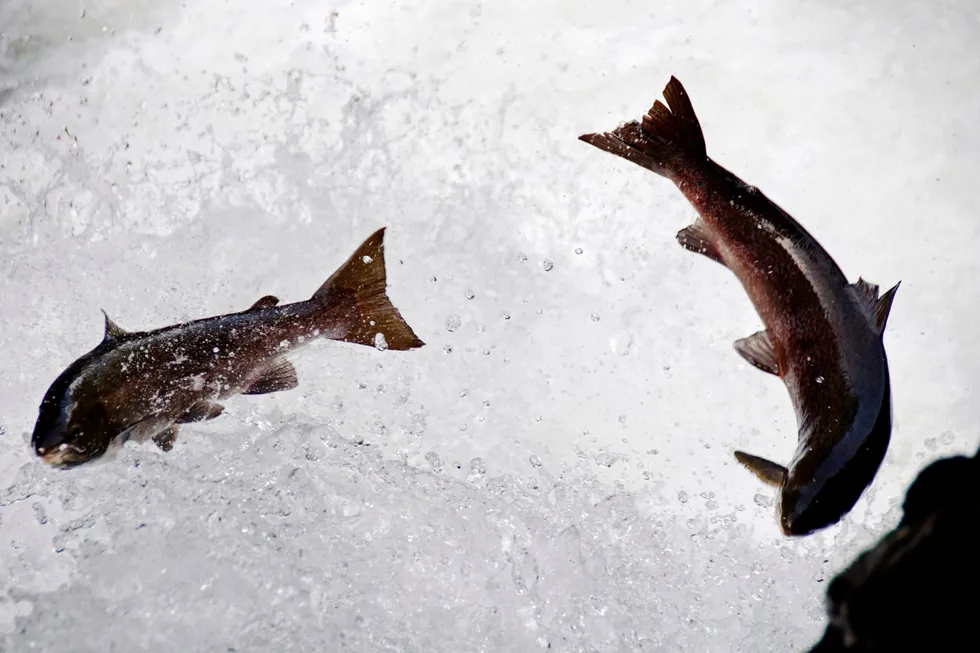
(822, 335)
(144, 384)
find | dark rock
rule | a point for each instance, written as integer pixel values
(918, 589)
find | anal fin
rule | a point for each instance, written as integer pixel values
(695, 238)
(281, 376)
(768, 472)
(884, 306)
(165, 439)
(866, 289)
(758, 350)
(201, 411)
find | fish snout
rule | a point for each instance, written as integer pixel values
(63, 455)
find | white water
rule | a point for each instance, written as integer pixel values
(555, 467)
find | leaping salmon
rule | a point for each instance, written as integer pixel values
(823, 336)
(144, 384)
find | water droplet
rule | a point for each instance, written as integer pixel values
(548, 264)
(470, 294)
(433, 459)
(379, 342)
(762, 500)
(505, 315)
(477, 467)
(433, 279)
(447, 349)
(535, 461)
(595, 317)
(453, 322)
(463, 427)
(578, 250)
(605, 459)
(486, 352)
(819, 379)
(622, 419)
(366, 258)
(486, 402)
(522, 258)
(463, 392)
(538, 418)
(683, 497)
(481, 328)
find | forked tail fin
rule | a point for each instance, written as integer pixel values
(664, 134)
(358, 291)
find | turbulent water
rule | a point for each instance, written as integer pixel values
(554, 468)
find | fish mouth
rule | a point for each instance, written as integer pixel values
(64, 456)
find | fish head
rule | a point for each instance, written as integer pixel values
(829, 476)
(71, 435)
(73, 424)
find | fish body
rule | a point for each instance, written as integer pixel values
(822, 336)
(146, 383)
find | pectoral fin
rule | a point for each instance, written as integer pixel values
(758, 350)
(695, 238)
(281, 376)
(768, 472)
(201, 411)
(165, 439)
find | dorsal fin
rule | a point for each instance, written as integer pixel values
(112, 330)
(265, 302)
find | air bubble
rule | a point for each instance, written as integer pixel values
(578, 250)
(535, 461)
(453, 322)
(548, 265)
(470, 294)
(595, 317)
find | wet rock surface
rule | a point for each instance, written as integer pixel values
(916, 589)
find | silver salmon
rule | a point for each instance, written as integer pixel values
(822, 336)
(144, 384)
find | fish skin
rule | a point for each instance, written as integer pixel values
(825, 334)
(145, 383)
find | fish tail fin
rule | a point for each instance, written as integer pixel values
(665, 134)
(357, 293)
